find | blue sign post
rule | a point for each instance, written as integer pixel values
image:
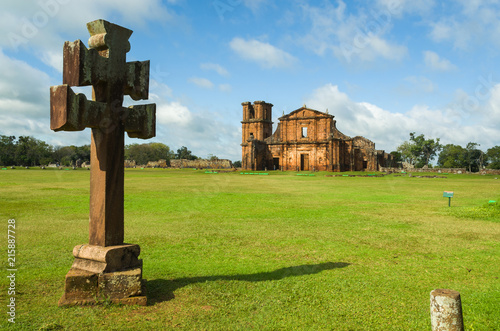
(449, 195)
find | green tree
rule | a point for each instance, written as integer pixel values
(419, 151)
(474, 158)
(137, 153)
(160, 151)
(397, 157)
(144, 153)
(406, 153)
(184, 153)
(423, 149)
(7, 150)
(493, 157)
(82, 153)
(70, 155)
(237, 164)
(32, 152)
(63, 155)
(452, 156)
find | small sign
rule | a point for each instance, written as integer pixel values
(449, 195)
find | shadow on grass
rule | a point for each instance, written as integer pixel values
(160, 290)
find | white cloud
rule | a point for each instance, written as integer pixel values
(42, 23)
(492, 114)
(201, 82)
(267, 55)
(361, 119)
(157, 89)
(215, 67)
(442, 30)
(53, 59)
(388, 129)
(203, 132)
(179, 122)
(435, 62)
(173, 113)
(477, 23)
(23, 89)
(383, 48)
(25, 104)
(348, 36)
(41, 26)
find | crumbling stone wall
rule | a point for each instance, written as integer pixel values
(431, 170)
(157, 164)
(363, 143)
(202, 164)
(490, 172)
(130, 164)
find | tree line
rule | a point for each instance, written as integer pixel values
(419, 152)
(28, 151)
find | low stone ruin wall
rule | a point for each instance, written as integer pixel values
(431, 170)
(157, 164)
(130, 164)
(201, 164)
(490, 172)
(443, 170)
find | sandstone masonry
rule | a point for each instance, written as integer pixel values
(305, 140)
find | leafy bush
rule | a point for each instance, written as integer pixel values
(489, 211)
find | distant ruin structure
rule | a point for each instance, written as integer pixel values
(305, 140)
(183, 163)
(202, 164)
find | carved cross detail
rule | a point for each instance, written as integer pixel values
(104, 67)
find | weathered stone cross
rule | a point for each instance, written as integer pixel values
(104, 67)
(106, 267)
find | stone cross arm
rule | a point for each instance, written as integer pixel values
(73, 112)
(83, 67)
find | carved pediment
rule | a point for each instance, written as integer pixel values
(305, 112)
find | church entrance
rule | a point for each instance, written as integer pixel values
(276, 163)
(304, 162)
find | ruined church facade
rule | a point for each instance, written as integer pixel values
(304, 140)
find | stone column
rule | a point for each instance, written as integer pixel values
(446, 311)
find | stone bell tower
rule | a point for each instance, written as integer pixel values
(256, 126)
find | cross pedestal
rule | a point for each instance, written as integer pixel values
(106, 268)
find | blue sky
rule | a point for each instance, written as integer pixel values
(383, 68)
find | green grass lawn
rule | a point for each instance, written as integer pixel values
(279, 252)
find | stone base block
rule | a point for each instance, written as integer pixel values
(99, 259)
(87, 288)
(80, 285)
(120, 284)
(105, 274)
